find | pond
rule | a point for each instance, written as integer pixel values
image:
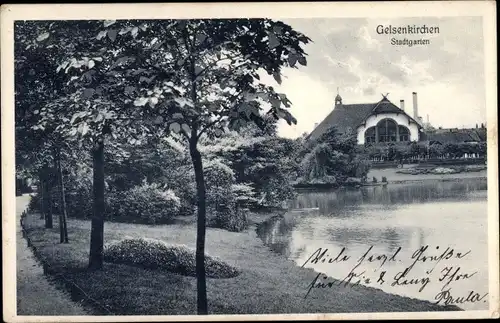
(435, 216)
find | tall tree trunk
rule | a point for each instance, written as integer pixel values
(40, 192)
(97, 229)
(47, 197)
(201, 227)
(63, 229)
(49, 218)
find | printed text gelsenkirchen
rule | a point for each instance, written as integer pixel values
(408, 30)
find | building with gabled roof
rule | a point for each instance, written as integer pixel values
(379, 122)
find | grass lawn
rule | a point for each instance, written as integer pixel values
(268, 283)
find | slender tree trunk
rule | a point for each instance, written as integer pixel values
(47, 199)
(63, 229)
(40, 192)
(50, 215)
(201, 194)
(201, 227)
(97, 229)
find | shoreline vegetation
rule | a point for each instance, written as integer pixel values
(268, 283)
(412, 174)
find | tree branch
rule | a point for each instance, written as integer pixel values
(217, 61)
(211, 124)
(212, 47)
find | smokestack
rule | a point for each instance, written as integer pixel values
(402, 104)
(415, 106)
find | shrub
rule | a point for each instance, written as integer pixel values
(384, 179)
(79, 202)
(276, 190)
(156, 254)
(234, 220)
(374, 180)
(146, 203)
(182, 182)
(244, 195)
(219, 180)
(218, 174)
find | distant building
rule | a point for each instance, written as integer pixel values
(380, 122)
(455, 135)
(383, 122)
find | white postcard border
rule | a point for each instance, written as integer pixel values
(10, 13)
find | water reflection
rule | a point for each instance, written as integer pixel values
(408, 216)
(389, 196)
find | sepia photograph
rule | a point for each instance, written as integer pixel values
(224, 161)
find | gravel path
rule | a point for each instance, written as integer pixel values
(35, 294)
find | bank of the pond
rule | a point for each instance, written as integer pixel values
(268, 282)
(393, 176)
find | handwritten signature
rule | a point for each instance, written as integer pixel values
(447, 299)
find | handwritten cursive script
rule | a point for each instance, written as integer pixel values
(389, 269)
(447, 299)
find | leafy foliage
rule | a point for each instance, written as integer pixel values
(146, 203)
(156, 254)
(415, 150)
(333, 159)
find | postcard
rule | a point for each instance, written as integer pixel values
(249, 161)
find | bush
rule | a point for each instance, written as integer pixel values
(276, 190)
(384, 179)
(234, 220)
(79, 203)
(223, 197)
(147, 203)
(182, 182)
(374, 180)
(156, 254)
(219, 179)
(244, 195)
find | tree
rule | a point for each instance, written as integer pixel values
(93, 104)
(213, 96)
(212, 80)
(265, 162)
(38, 143)
(333, 158)
(193, 78)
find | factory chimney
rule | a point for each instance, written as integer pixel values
(415, 106)
(402, 104)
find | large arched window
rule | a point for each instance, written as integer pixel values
(387, 130)
(404, 133)
(370, 135)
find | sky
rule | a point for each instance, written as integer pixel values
(348, 54)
